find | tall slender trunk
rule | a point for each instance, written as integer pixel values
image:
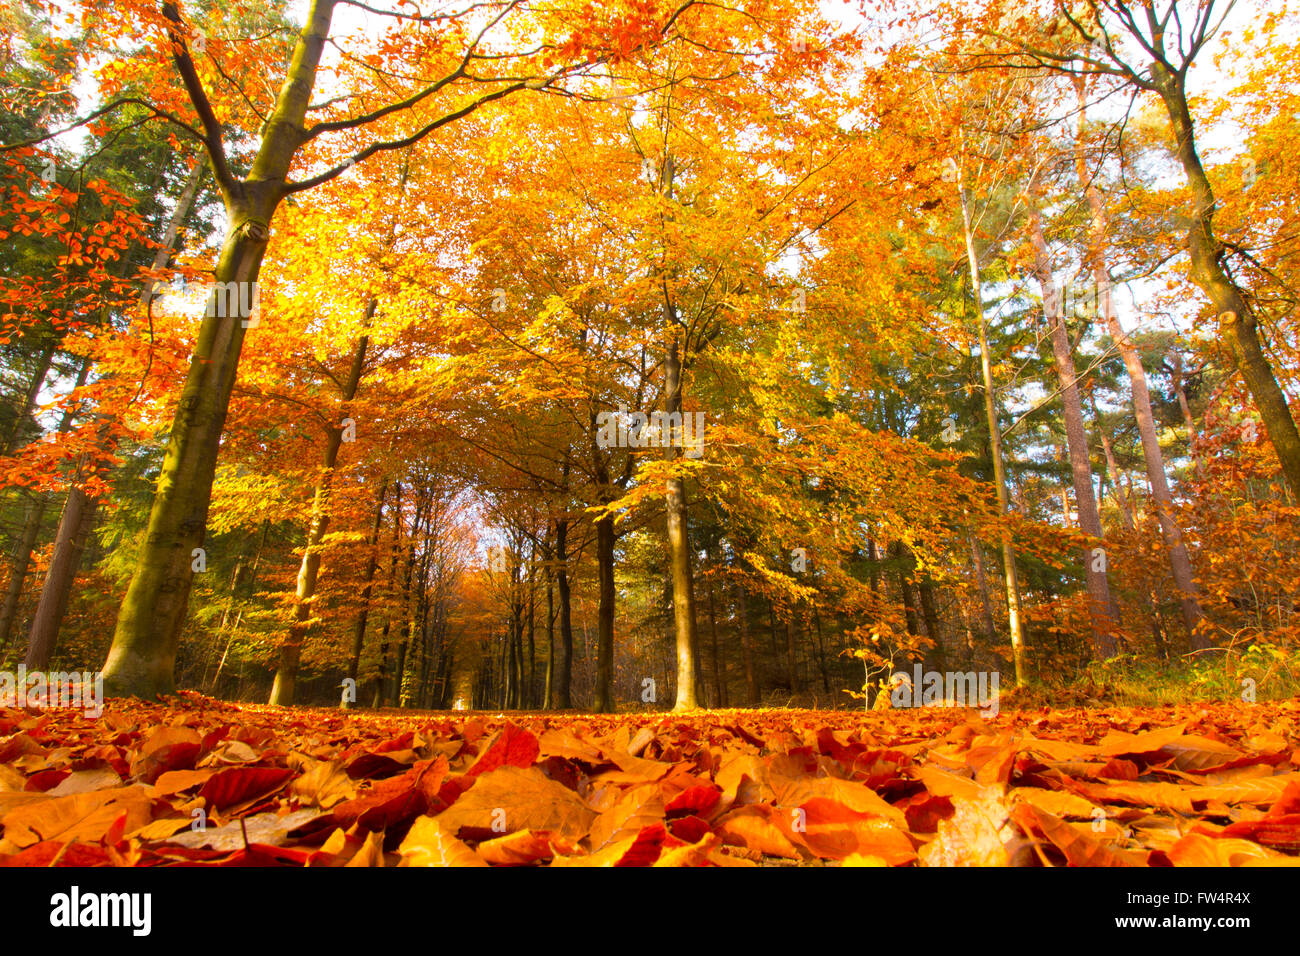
(529, 702)
(938, 656)
(44, 359)
(249, 582)
(377, 698)
(1180, 391)
(605, 539)
(22, 559)
(821, 650)
(31, 530)
(564, 670)
(995, 443)
(69, 543)
(1112, 468)
(679, 552)
(1104, 644)
(549, 700)
(719, 697)
(286, 675)
(1179, 561)
(987, 624)
(747, 648)
(791, 663)
(372, 565)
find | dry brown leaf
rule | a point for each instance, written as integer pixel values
(518, 798)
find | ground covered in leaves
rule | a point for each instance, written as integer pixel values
(202, 782)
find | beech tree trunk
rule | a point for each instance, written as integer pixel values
(1179, 561)
(679, 551)
(548, 701)
(372, 565)
(1238, 324)
(27, 541)
(719, 696)
(142, 659)
(1104, 644)
(69, 544)
(286, 675)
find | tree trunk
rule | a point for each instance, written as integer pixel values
(982, 585)
(1179, 561)
(564, 670)
(69, 543)
(529, 702)
(43, 362)
(747, 647)
(791, 663)
(31, 530)
(1076, 438)
(679, 553)
(1238, 324)
(605, 615)
(142, 659)
(549, 700)
(995, 445)
(286, 675)
(938, 657)
(372, 564)
(22, 560)
(719, 696)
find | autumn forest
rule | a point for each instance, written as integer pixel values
(649, 432)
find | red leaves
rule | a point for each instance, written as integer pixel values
(1121, 788)
(226, 788)
(395, 801)
(514, 747)
(698, 799)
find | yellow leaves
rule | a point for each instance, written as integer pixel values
(430, 843)
(635, 809)
(517, 849)
(1200, 849)
(1118, 744)
(853, 796)
(760, 828)
(1056, 802)
(82, 816)
(975, 834)
(324, 783)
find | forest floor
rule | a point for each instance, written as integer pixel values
(201, 781)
